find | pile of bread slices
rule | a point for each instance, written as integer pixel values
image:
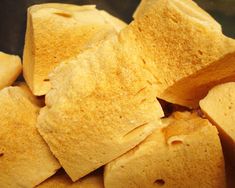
(101, 120)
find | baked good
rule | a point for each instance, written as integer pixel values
(10, 68)
(101, 105)
(25, 159)
(183, 47)
(185, 153)
(62, 180)
(56, 32)
(219, 107)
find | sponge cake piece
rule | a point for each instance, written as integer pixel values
(25, 159)
(183, 47)
(101, 105)
(219, 106)
(62, 180)
(68, 30)
(185, 153)
(10, 68)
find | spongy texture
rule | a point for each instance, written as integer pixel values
(56, 32)
(25, 159)
(184, 48)
(62, 180)
(186, 153)
(101, 105)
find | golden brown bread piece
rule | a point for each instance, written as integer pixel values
(219, 106)
(10, 68)
(102, 102)
(68, 30)
(183, 47)
(186, 153)
(25, 159)
(101, 105)
(62, 180)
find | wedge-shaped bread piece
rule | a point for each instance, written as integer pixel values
(219, 106)
(184, 48)
(186, 153)
(10, 68)
(62, 180)
(101, 105)
(25, 159)
(56, 32)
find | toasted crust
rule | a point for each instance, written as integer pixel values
(185, 153)
(10, 68)
(69, 29)
(25, 159)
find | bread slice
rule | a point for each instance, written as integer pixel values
(185, 153)
(10, 68)
(183, 47)
(102, 104)
(219, 106)
(25, 159)
(56, 32)
(62, 180)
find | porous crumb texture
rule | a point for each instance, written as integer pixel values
(62, 180)
(103, 107)
(56, 32)
(25, 159)
(185, 153)
(183, 47)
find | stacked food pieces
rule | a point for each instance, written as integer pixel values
(102, 80)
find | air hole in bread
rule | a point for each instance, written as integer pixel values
(63, 14)
(1, 154)
(46, 80)
(159, 182)
(176, 142)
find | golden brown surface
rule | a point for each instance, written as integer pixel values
(184, 48)
(68, 30)
(103, 107)
(185, 153)
(25, 159)
(62, 180)
(10, 68)
(219, 107)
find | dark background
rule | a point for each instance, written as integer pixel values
(13, 17)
